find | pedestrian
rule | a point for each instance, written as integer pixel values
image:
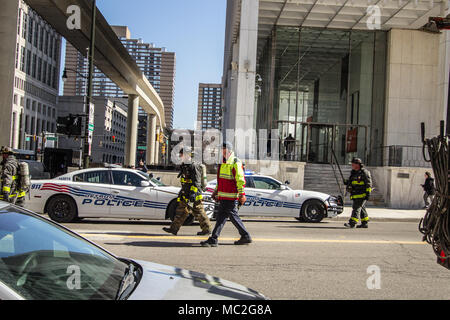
(142, 167)
(360, 187)
(11, 179)
(230, 194)
(429, 190)
(289, 144)
(190, 200)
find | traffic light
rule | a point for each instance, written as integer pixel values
(113, 139)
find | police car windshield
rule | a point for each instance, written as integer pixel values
(153, 180)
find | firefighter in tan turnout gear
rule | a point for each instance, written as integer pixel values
(15, 178)
(193, 180)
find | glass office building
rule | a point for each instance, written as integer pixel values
(357, 77)
(326, 88)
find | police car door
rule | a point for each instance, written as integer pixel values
(132, 198)
(248, 207)
(91, 191)
(272, 199)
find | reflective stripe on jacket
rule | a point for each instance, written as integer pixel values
(230, 179)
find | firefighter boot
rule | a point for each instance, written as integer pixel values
(351, 224)
(363, 225)
(170, 230)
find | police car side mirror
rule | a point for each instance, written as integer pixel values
(287, 182)
(145, 183)
(151, 175)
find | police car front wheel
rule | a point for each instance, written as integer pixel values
(312, 211)
(62, 209)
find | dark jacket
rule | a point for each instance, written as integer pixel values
(9, 175)
(429, 186)
(359, 184)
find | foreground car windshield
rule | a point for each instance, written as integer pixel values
(40, 260)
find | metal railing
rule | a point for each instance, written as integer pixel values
(403, 156)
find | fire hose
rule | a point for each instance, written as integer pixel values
(435, 226)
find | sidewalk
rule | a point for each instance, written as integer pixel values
(386, 214)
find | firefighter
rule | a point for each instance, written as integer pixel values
(359, 185)
(11, 179)
(190, 197)
(230, 194)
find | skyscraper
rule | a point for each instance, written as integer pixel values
(33, 78)
(209, 113)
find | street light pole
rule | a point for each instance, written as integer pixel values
(89, 93)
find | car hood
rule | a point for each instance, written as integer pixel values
(160, 282)
(313, 194)
(173, 190)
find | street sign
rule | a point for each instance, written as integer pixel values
(91, 126)
(142, 148)
(52, 138)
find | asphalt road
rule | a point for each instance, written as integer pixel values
(291, 260)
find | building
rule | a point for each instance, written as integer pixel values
(110, 121)
(157, 65)
(29, 71)
(209, 112)
(330, 75)
(357, 77)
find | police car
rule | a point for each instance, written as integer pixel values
(105, 193)
(267, 196)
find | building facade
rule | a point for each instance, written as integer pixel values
(110, 121)
(334, 75)
(31, 112)
(209, 112)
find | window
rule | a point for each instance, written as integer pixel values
(39, 74)
(93, 177)
(41, 38)
(30, 30)
(36, 35)
(33, 69)
(37, 256)
(22, 60)
(29, 62)
(126, 178)
(266, 183)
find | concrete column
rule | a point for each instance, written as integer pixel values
(132, 126)
(246, 73)
(157, 157)
(151, 139)
(8, 34)
(444, 68)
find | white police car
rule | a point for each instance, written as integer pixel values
(267, 196)
(105, 193)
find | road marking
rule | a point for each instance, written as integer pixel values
(289, 240)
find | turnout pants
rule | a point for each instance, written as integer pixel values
(183, 211)
(228, 209)
(359, 211)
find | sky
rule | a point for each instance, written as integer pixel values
(193, 29)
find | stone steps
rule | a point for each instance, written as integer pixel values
(321, 178)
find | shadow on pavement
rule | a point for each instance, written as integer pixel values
(163, 244)
(317, 226)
